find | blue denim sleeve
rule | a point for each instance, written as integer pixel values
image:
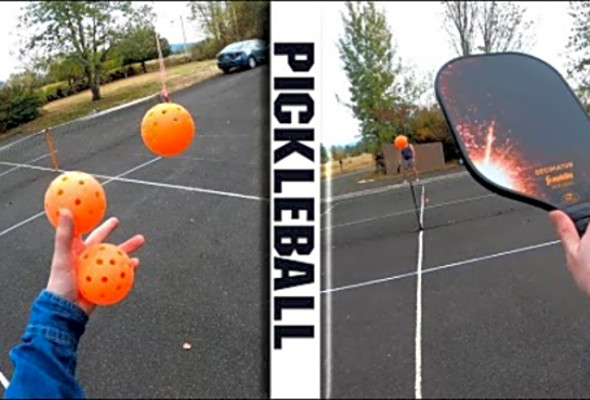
(45, 360)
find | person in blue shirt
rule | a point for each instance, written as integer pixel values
(407, 162)
(45, 359)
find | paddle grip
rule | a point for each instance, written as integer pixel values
(580, 214)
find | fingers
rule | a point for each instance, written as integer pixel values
(566, 231)
(133, 244)
(102, 232)
(64, 234)
(135, 262)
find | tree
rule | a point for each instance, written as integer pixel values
(139, 45)
(249, 19)
(579, 47)
(503, 26)
(429, 125)
(231, 21)
(324, 154)
(488, 26)
(25, 80)
(88, 30)
(66, 68)
(460, 17)
(212, 17)
(374, 73)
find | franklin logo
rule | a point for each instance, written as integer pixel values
(570, 198)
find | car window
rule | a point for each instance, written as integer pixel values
(233, 47)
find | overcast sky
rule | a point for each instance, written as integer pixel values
(416, 29)
(167, 23)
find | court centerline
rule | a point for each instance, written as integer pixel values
(418, 336)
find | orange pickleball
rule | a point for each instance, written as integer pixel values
(105, 274)
(82, 194)
(167, 129)
(401, 142)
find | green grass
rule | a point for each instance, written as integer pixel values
(117, 93)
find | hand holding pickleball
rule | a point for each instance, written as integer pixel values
(577, 250)
(63, 278)
(82, 195)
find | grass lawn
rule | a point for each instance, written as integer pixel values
(349, 164)
(365, 162)
(117, 93)
(374, 176)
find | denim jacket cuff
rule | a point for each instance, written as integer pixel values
(57, 319)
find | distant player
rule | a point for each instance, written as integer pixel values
(408, 161)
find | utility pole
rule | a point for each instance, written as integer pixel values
(183, 34)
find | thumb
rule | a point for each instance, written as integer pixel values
(566, 230)
(64, 236)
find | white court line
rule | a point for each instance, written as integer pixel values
(407, 211)
(418, 338)
(150, 183)
(5, 231)
(145, 164)
(4, 381)
(329, 209)
(442, 267)
(368, 192)
(88, 117)
(30, 161)
(116, 108)
(32, 135)
(192, 189)
(26, 221)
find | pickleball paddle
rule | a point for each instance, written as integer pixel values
(521, 130)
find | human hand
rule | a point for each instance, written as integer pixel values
(62, 278)
(577, 250)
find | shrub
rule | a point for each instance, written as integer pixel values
(55, 91)
(19, 106)
(206, 50)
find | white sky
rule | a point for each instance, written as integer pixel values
(421, 41)
(167, 24)
(417, 32)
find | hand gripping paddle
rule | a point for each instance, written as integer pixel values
(521, 130)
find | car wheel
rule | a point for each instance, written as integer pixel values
(252, 62)
(225, 70)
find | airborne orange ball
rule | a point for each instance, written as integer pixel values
(105, 274)
(401, 142)
(82, 194)
(167, 129)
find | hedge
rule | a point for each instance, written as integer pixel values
(19, 106)
(60, 90)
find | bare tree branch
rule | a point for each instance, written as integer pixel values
(460, 19)
(503, 26)
(496, 26)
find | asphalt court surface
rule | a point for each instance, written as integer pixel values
(203, 218)
(499, 313)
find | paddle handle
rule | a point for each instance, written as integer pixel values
(580, 214)
(582, 225)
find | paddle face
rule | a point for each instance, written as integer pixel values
(520, 128)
